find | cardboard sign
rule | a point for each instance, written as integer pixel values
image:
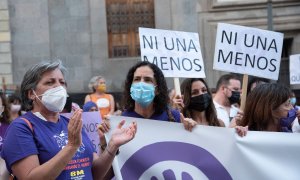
(177, 54)
(248, 50)
(295, 69)
(90, 121)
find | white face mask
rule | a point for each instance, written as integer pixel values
(54, 99)
(15, 107)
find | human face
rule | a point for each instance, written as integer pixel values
(144, 74)
(93, 109)
(283, 109)
(101, 81)
(49, 80)
(234, 85)
(198, 88)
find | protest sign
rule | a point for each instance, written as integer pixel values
(247, 50)
(295, 69)
(170, 152)
(177, 54)
(90, 121)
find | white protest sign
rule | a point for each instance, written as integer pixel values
(177, 54)
(90, 121)
(295, 69)
(248, 50)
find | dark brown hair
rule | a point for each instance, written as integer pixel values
(161, 99)
(5, 116)
(224, 80)
(261, 103)
(210, 112)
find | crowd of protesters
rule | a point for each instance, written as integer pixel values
(269, 107)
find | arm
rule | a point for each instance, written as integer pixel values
(222, 124)
(237, 120)
(30, 168)
(177, 102)
(112, 105)
(87, 98)
(120, 136)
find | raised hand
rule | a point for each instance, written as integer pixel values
(74, 129)
(104, 127)
(177, 102)
(122, 135)
(188, 123)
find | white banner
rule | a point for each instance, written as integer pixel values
(295, 69)
(177, 54)
(90, 121)
(164, 150)
(248, 50)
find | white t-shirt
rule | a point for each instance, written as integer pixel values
(223, 115)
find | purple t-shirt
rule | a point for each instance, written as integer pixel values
(162, 117)
(3, 128)
(46, 140)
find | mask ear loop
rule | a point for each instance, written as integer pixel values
(36, 95)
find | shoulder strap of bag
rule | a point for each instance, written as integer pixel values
(28, 123)
(12, 177)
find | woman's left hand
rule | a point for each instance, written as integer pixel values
(122, 135)
(188, 123)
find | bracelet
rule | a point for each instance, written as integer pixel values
(118, 151)
(110, 153)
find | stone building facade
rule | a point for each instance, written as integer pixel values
(75, 31)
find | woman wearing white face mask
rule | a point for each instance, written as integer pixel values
(41, 144)
(15, 106)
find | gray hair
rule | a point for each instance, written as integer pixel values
(33, 76)
(94, 82)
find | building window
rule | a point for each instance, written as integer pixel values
(124, 17)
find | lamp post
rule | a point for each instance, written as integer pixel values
(270, 15)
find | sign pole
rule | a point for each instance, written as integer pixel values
(244, 92)
(177, 86)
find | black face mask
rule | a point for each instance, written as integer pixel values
(201, 102)
(235, 97)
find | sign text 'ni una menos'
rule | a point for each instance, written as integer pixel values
(248, 50)
(177, 54)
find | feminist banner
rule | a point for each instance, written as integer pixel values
(164, 150)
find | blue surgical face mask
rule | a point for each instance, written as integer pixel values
(293, 101)
(142, 93)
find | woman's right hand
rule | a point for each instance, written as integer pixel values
(104, 127)
(177, 102)
(74, 129)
